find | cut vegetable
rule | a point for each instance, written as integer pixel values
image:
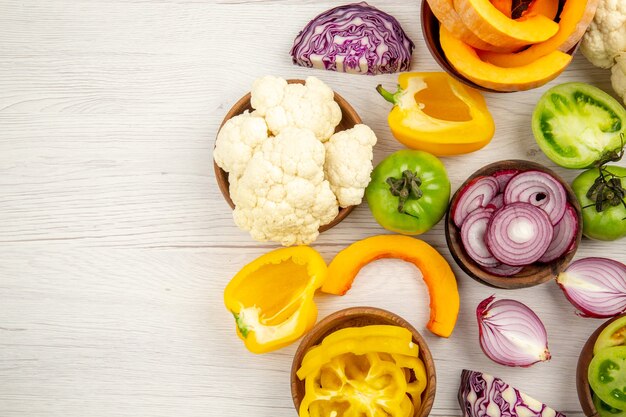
(605, 410)
(478, 193)
(355, 38)
(483, 395)
(473, 237)
(464, 58)
(493, 27)
(607, 376)
(510, 333)
(503, 270)
(613, 335)
(504, 177)
(539, 189)
(576, 123)
(564, 237)
(519, 234)
(595, 286)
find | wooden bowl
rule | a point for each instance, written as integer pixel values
(359, 317)
(582, 383)
(430, 31)
(349, 118)
(531, 275)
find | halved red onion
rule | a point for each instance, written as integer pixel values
(519, 234)
(497, 201)
(476, 194)
(473, 237)
(510, 333)
(595, 286)
(504, 177)
(564, 236)
(539, 189)
(503, 270)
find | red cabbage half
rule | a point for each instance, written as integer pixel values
(355, 38)
(483, 395)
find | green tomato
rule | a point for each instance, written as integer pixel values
(610, 222)
(409, 192)
(613, 335)
(576, 123)
(607, 376)
(605, 410)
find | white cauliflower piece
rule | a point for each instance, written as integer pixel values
(310, 106)
(282, 196)
(349, 163)
(237, 141)
(618, 76)
(605, 38)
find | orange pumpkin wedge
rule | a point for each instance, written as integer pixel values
(493, 27)
(467, 62)
(574, 19)
(547, 8)
(448, 17)
(504, 6)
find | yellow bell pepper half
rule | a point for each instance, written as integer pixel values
(435, 113)
(272, 297)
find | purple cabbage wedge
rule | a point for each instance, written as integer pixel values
(483, 395)
(355, 38)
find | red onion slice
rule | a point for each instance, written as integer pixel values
(476, 194)
(497, 202)
(519, 234)
(595, 286)
(539, 189)
(564, 236)
(510, 333)
(503, 270)
(473, 237)
(504, 177)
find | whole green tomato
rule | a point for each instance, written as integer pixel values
(603, 202)
(409, 192)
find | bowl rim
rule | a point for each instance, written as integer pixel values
(550, 270)
(584, 359)
(325, 327)
(241, 106)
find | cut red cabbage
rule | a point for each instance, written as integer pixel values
(484, 395)
(564, 236)
(539, 189)
(473, 237)
(355, 38)
(478, 193)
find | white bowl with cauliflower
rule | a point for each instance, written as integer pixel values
(292, 159)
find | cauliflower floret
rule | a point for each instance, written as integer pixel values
(349, 163)
(618, 76)
(310, 106)
(606, 36)
(237, 141)
(282, 196)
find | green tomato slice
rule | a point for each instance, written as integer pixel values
(613, 335)
(605, 410)
(607, 376)
(575, 123)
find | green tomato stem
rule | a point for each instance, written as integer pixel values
(406, 187)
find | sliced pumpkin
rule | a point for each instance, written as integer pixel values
(467, 62)
(448, 17)
(493, 27)
(574, 19)
(547, 8)
(504, 6)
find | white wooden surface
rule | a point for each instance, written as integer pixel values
(115, 244)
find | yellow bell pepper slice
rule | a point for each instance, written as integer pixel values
(439, 278)
(271, 298)
(435, 113)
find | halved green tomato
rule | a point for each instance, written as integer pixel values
(575, 123)
(605, 410)
(613, 335)
(607, 376)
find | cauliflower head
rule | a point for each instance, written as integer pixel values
(618, 76)
(605, 38)
(237, 141)
(309, 106)
(349, 163)
(282, 195)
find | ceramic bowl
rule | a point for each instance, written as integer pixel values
(531, 275)
(349, 118)
(430, 31)
(582, 384)
(358, 317)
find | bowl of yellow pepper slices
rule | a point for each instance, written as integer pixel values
(363, 361)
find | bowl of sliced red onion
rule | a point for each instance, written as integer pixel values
(513, 224)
